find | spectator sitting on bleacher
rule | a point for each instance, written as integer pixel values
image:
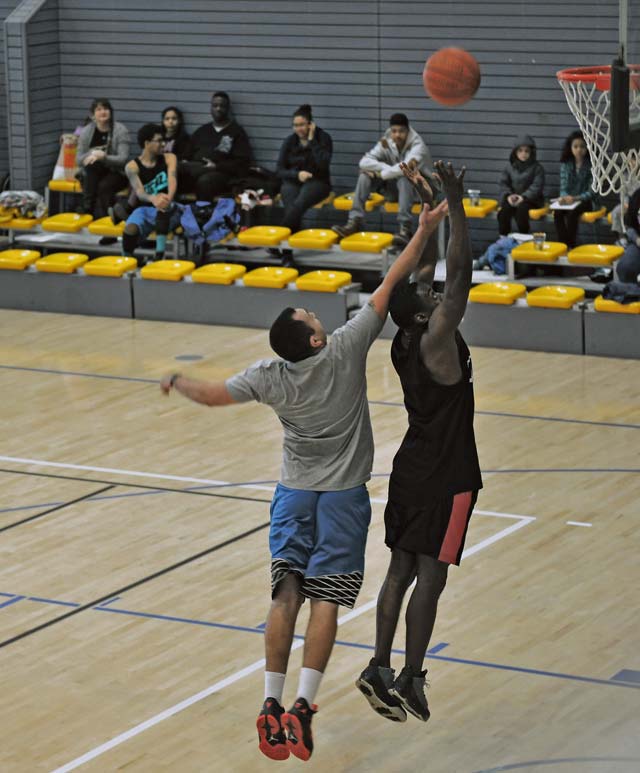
(381, 165)
(575, 186)
(618, 213)
(220, 154)
(521, 186)
(153, 177)
(176, 137)
(303, 167)
(628, 267)
(176, 141)
(103, 149)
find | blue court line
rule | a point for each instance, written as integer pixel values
(561, 761)
(371, 402)
(342, 643)
(627, 675)
(11, 601)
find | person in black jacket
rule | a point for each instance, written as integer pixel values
(176, 137)
(521, 186)
(303, 167)
(220, 154)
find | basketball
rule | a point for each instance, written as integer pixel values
(451, 76)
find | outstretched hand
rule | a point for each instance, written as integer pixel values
(431, 218)
(421, 186)
(452, 183)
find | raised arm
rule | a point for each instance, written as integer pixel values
(447, 315)
(211, 393)
(408, 259)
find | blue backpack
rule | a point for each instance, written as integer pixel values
(203, 221)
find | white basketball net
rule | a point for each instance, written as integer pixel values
(612, 172)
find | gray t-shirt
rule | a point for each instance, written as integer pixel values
(322, 405)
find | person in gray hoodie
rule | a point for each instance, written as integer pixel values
(521, 186)
(103, 150)
(381, 165)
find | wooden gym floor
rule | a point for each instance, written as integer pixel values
(134, 572)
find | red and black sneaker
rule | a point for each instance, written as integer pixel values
(272, 738)
(297, 723)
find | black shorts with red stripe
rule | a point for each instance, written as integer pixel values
(436, 528)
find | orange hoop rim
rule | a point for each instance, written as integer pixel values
(599, 75)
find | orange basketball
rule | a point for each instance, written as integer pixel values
(451, 76)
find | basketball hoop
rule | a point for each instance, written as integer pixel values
(587, 90)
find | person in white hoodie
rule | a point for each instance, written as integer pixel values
(400, 144)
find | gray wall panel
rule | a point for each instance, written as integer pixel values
(356, 63)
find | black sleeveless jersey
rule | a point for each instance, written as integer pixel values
(438, 455)
(154, 178)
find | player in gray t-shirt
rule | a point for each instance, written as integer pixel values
(320, 511)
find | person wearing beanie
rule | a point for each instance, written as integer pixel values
(220, 154)
(521, 186)
(380, 169)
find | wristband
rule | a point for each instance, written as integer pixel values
(173, 379)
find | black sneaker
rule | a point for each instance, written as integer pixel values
(297, 723)
(271, 735)
(374, 683)
(287, 259)
(409, 690)
(107, 241)
(349, 228)
(403, 237)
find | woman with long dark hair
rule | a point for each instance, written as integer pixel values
(176, 138)
(103, 149)
(575, 188)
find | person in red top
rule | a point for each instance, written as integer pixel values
(436, 475)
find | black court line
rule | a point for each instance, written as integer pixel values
(55, 509)
(389, 403)
(137, 485)
(135, 584)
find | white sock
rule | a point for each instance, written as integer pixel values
(309, 683)
(273, 685)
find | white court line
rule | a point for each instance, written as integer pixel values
(579, 523)
(523, 520)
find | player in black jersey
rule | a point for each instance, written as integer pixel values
(154, 180)
(436, 475)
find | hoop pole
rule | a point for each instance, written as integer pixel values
(623, 30)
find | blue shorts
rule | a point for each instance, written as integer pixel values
(321, 536)
(145, 219)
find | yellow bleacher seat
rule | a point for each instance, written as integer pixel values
(598, 254)
(500, 293)
(66, 222)
(323, 281)
(167, 270)
(264, 235)
(218, 273)
(555, 297)
(325, 201)
(65, 186)
(105, 226)
(18, 260)
(609, 218)
(482, 209)
(61, 262)
(270, 276)
(314, 239)
(549, 253)
(110, 265)
(345, 202)
(596, 214)
(606, 304)
(539, 212)
(393, 206)
(23, 223)
(366, 241)
(5, 217)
